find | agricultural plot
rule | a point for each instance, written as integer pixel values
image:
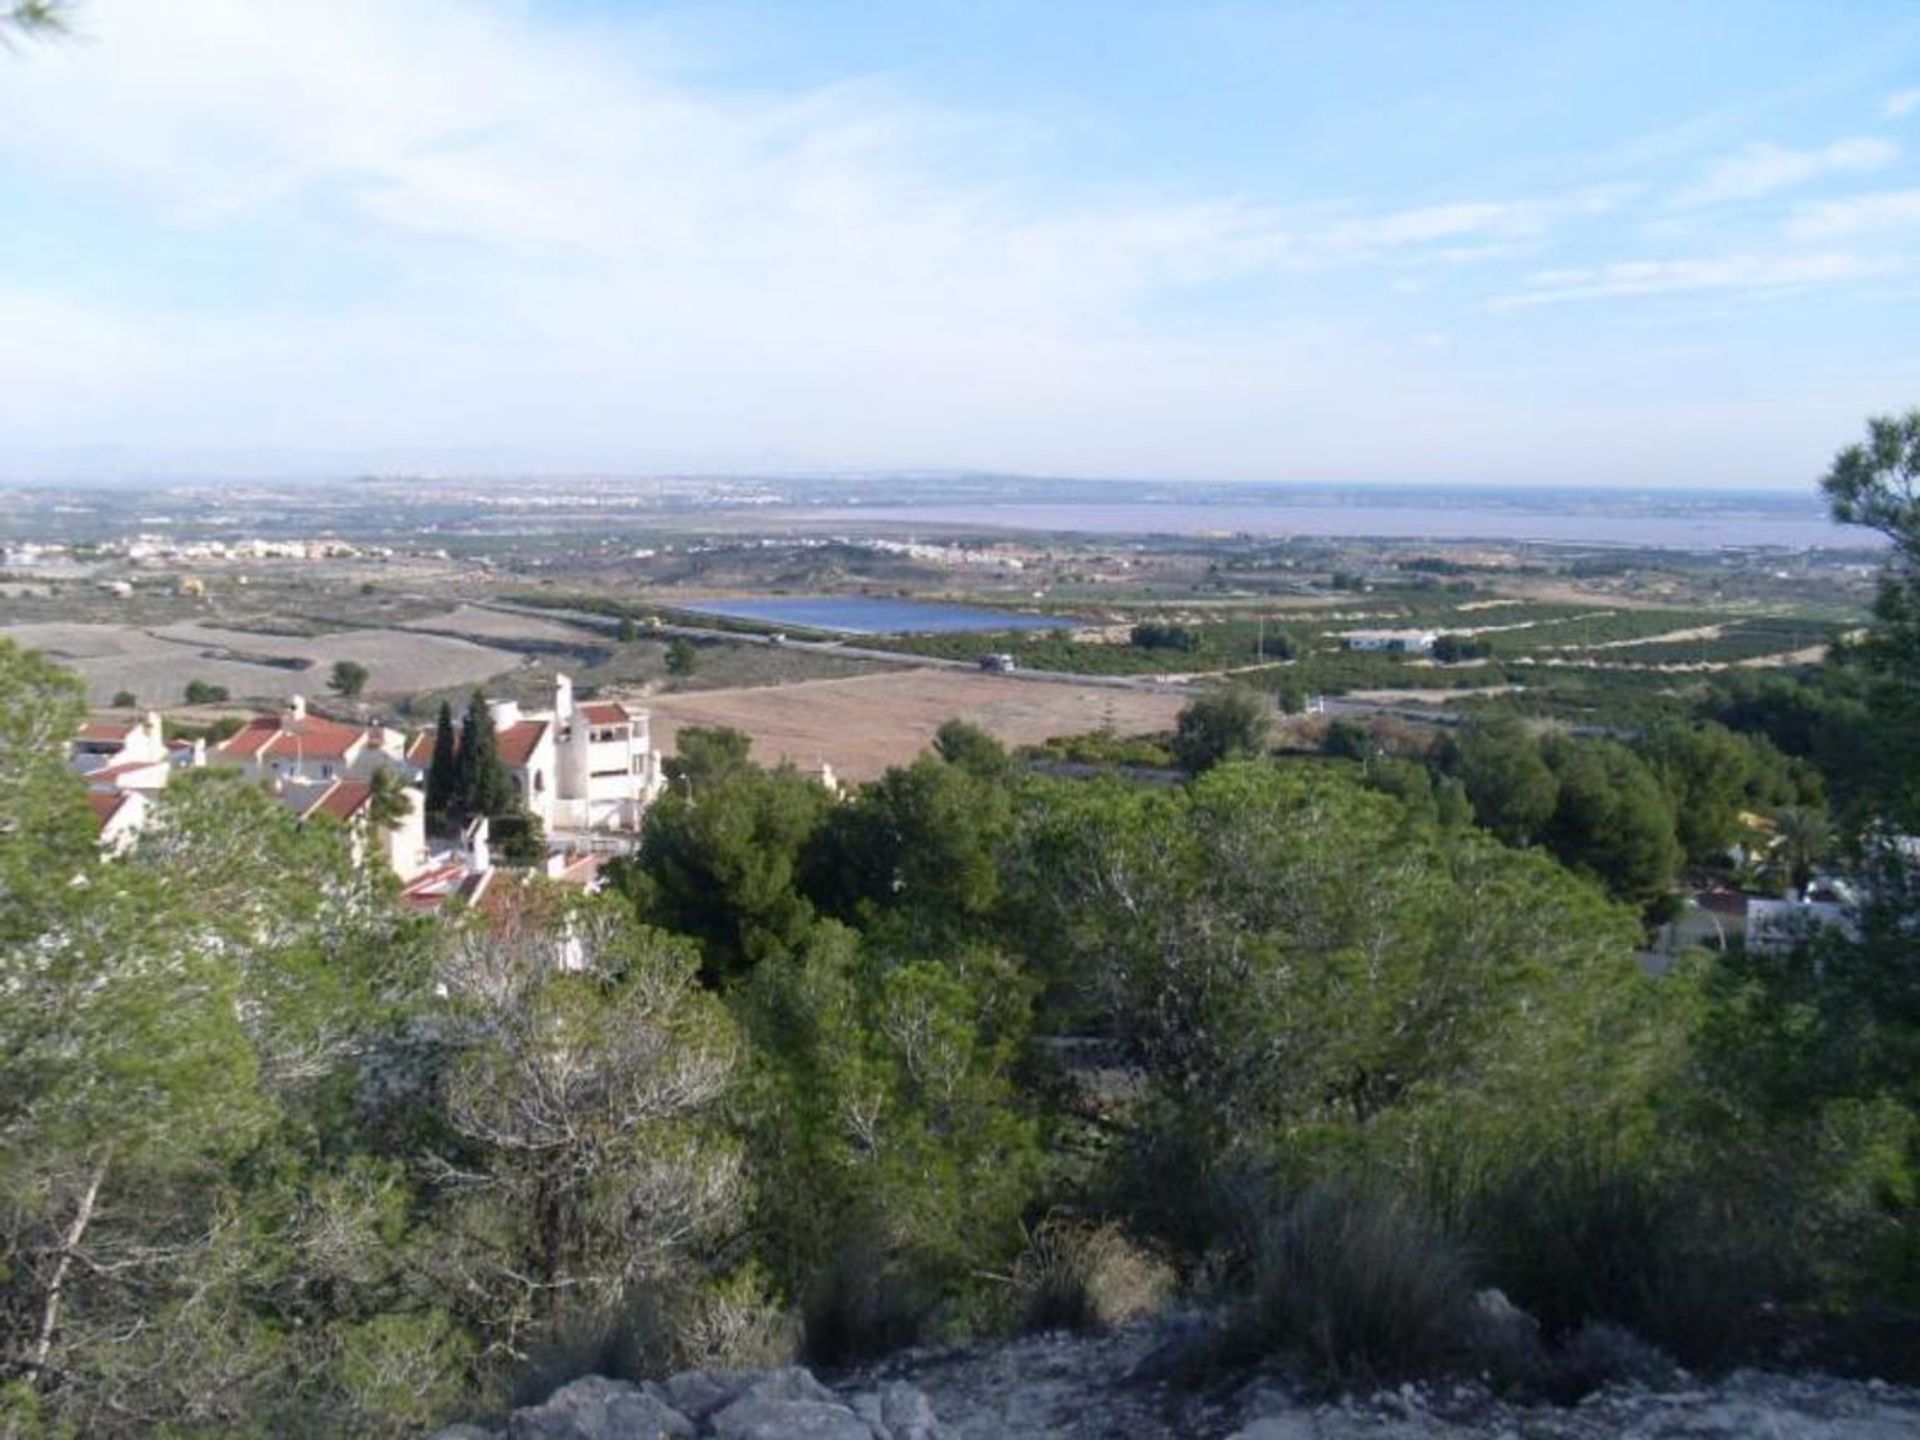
(156, 665)
(862, 726)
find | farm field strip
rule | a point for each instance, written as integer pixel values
(863, 725)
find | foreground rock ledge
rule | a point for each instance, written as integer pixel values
(1088, 1389)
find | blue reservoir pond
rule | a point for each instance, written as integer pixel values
(866, 615)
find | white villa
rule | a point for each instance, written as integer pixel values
(586, 766)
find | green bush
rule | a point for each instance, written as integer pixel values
(1351, 1284)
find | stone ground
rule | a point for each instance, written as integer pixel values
(1069, 1388)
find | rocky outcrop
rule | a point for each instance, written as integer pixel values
(1066, 1388)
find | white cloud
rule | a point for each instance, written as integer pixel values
(1856, 215)
(1735, 273)
(1902, 103)
(1761, 170)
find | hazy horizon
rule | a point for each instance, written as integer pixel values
(1629, 245)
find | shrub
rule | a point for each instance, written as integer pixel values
(659, 1329)
(1351, 1283)
(866, 1299)
(1078, 1276)
(1580, 1241)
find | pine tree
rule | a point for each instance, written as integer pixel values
(442, 771)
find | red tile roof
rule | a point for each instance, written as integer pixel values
(249, 740)
(420, 752)
(343, 799)
(281, 737)
(607, 712)
(105, 804)
(106, 729)
(520, 739)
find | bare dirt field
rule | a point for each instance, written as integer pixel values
(156, 664)
(483, 624)
(862, 726)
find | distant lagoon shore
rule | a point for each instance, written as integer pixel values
(1786, 526)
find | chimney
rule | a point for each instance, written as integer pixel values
(479, 853)
(505, 712)
(297, 707)
(562, 699)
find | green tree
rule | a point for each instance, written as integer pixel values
(893, 1154)
(443, 773)
(1347, 740)
(1306, 979)
(583, 1140)
(387, 803)
(1876, 484)
(1226, 724)
(920, 847)
(203, 692)
(682, 658)
(125, 700)
(1802, 838)
(720, 859)
(1511, 789)
(704, 753)
(1707, 773)
(972, 749)
(626, 632)
(1611, 820)
(348, 679)
(482, 785)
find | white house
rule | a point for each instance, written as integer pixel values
(403, 848)
(1399, 642)
(119, 814)
(295, 746)
(589, 766)
(121, 754)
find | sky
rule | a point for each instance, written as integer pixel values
(1640, 245)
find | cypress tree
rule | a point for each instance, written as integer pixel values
(442, 771)
(481, 783)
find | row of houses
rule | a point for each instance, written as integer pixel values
(583, 770)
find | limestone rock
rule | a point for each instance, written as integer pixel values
(599, 1409)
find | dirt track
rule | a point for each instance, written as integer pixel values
(861, 726)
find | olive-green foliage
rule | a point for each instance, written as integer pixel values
(481, 785)
(580, 1121)
(893, 1151)
(443, 784)
(1353, 1285)
(1512, 791)
(348, 678)
(1292, 963)
(973, 750)
(704, 753)
(1227, 724)
(919, 846)
(720, 861)
(1611, 820)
